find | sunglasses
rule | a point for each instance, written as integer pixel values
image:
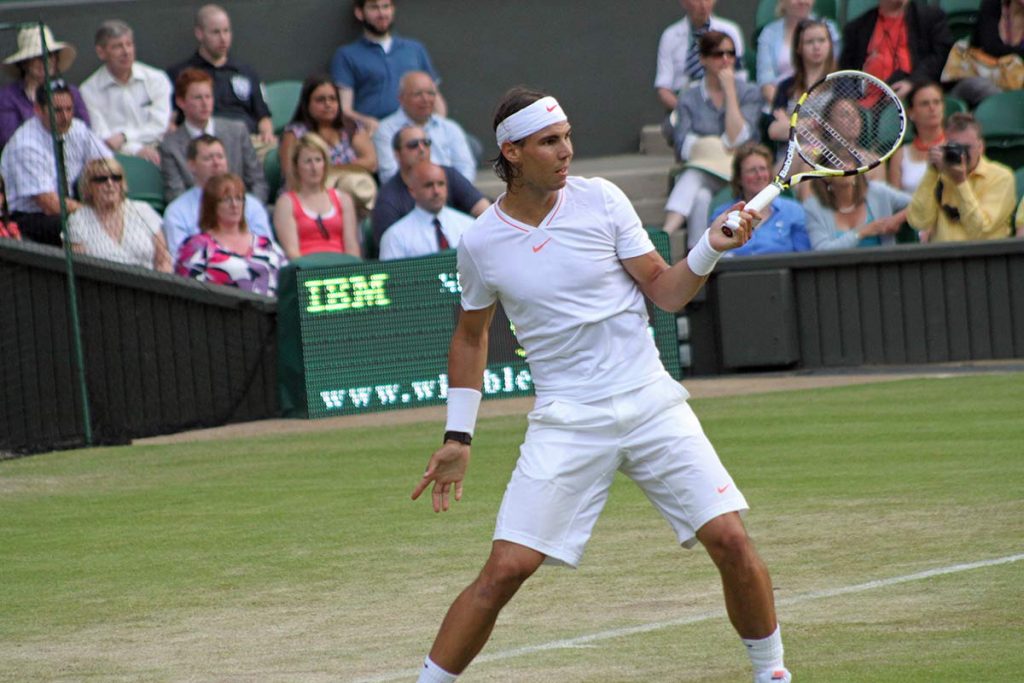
(414, 144)
(100, 179)
(722, 53)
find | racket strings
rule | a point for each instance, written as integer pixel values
(848, 123)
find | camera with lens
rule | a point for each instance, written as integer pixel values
(954, 152)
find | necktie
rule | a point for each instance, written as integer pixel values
(442, 241)
(694, 70)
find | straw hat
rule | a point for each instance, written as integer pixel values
(708, 154)
(30, 46)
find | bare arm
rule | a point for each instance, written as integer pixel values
(467, 357)
(49, 202)
(667, 98)
(349, 226)
(480, 207)
(366, 153)
(672, 287)
(347, 97)
(284, 226)
(162, 261)
(284, 153)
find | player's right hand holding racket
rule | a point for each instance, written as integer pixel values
(845, 124)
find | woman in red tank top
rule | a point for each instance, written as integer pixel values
(312, 218)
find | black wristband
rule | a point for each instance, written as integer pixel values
(462, 437)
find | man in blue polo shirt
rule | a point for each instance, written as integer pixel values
(368, 70)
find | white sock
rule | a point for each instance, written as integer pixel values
(766, 653)
(432, 673)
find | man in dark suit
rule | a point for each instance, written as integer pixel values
(900, 42)
(194, 96)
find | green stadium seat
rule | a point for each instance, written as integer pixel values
(1002, 115)
(962, 15)
(854, 8)
(282, 98)
(954, 105)
(272, 172)
(144, 181)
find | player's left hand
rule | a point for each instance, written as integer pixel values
(446, 469)
(748, 220)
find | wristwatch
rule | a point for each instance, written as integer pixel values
(462, 437)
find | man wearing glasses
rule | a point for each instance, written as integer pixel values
(417, 97)
(963, 195)
(411, 146)
(206, 159)
(28, 164)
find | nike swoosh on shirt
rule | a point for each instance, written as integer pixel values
(541, 245)
(723, 489)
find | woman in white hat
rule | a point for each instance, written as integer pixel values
(26, 66)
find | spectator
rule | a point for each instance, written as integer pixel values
(925, 108)
(900, 41)
(852, 211)
(352, 157)
(813, 58)
(431, 226)
(28, 164)
(963, 195)
(678, 50)
(206, 159)
(782, 229)
(775, 59)
(312, 217)
(110, 226)
(129, 102)
(17, 99)
(8, 228)
(368, 70)
(194, 96)
(411, 146)
(417, 96)
(999, 38)
(720, 107)
(225, 251)
(237, 90)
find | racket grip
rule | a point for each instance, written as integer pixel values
(758, 203)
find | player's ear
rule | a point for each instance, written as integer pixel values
(511, 151)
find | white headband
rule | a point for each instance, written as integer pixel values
(529, 120)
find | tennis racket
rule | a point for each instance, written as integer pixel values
(845, 124)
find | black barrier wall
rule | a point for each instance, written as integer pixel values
(162, 354)
(894, 306)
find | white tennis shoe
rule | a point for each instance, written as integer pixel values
(774, 676)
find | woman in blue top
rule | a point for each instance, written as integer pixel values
(848, 212)
(782, 228)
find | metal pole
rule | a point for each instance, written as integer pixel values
(62, 190)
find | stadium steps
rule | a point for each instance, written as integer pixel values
(643, 177)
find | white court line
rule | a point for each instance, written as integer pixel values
(584, 641)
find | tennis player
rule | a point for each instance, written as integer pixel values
(570, 262)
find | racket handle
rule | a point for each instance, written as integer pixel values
(758, 203)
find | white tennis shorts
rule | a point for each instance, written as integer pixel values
(571, 453)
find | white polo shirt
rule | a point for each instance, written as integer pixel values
(579, 316)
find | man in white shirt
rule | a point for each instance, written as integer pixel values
(29, 166)
(193, 93)
(570, 262)
(431, 226)
(129, 102)
(678, 59)
(417, 98)
(206, 159)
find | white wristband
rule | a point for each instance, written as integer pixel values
(463, 405)
(703, 257)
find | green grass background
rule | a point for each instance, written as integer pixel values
(302, 558)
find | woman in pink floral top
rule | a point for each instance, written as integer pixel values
(225, 252)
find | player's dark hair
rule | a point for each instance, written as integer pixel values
(512, 101)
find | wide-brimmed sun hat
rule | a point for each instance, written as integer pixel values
(708, 154)
(30, 46)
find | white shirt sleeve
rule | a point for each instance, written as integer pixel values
(630, 237)
(475, 293)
